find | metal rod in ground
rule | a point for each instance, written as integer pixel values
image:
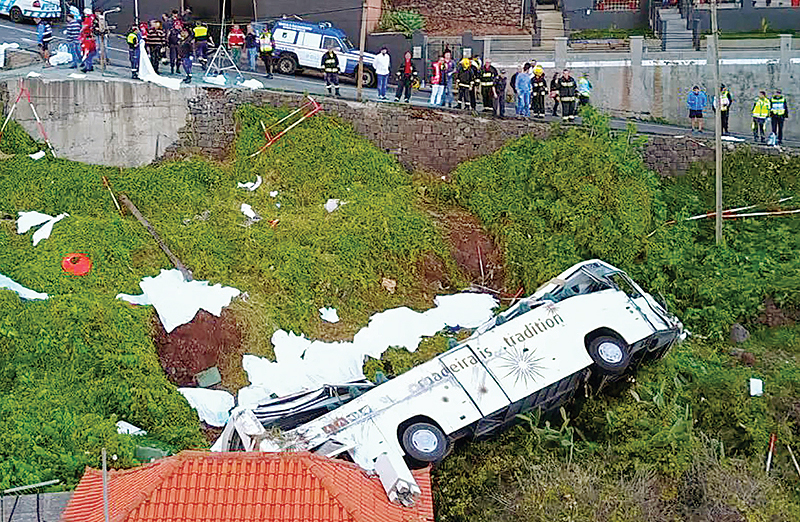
(794, 460)
(187, 275)
(105, 487)
(772, 440)
(717, 124)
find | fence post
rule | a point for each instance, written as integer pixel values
(561, 52)
(786, 51)
(637, 97)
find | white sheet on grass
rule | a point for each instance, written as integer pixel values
(147, 73)
(60, 58)
(303, 364)
(37, 155)
(28, 220)
(213, 406)
(177, 301)
(251, 185)
(24, 293)
(126, 428)
(3, 47)
(329, 314)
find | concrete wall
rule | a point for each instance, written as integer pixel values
(748, 18)
(108, 123)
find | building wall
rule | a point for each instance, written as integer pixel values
(581, 14)
(749, 18)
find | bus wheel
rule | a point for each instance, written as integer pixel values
(610, 354)
(424, 442)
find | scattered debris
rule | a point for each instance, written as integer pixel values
(794, 460)
(208, 377)
(76, 264)
(24, 91)
(3, 47)
(252, 216)
(24, 293)
(329, 314)
(203, 216)
(739, 333)
(274, 194)
(78, 76)
(756, 387)
(389, 284)
(37, 155)
(126, 428)
(303, 364)
(28, 220)
(187, 275)
(33, 74)
(251, 185)
(274, 223)
(212, 405)
(732, 139)
(107, 185)
(177, 300)
(332, 204)
(252, 83)
(773, 439)
(308, 109)
(216, 80)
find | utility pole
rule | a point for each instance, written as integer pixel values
(361, 42)
(717, 123)
(105, 487)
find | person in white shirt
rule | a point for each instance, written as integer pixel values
(382, 68)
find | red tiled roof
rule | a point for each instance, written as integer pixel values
(265, 487)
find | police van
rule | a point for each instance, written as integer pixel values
(19, 10)
(300, 45)
(590, 320)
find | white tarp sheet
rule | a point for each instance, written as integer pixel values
(251, 185)
(24, 293)
(303, 364)
(147, 73)
(3, 47)
(213, 406)
(177, 301)
(29, 220)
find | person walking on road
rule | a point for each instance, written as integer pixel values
(584, 90)
(251, 48)
(330, 64)
(538, 91)
(44, 34)
(236, 43)
(697, 101)
(383, 66)
(449, 73)
(406, 74)
(761, 111)
(465, 76)
(265, 45)
(133, 50)
(155, 41)
(73, 34)
(554, 94)
(487, 77)
(567, 91)
(779, 112)
(723, 103)
(437, 82)
(523, 86)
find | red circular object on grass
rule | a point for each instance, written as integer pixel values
(76, 264)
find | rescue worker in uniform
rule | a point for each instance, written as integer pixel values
(761, 110)
(330, 64)
(538, 91)
(724, 106)
(779, 112)
(584, 90)
(486, 79)
(265, 46)
(133, 51)
(200, 34)
(567, 90)
(465, 78)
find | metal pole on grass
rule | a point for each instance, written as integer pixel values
(105, 487)
(361, 42)
(717, 124)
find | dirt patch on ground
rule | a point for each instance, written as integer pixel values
(191, 348)
(774, 316)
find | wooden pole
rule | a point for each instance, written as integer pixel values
(187, 275)
(717, 125)
(361, 42)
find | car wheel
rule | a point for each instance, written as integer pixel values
(287, 65)
(15, 14)
(424, 442)
(611, 354)
(368, 78)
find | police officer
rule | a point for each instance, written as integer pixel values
(487, 77)
(538, 91)
(761, 109)
(330, 64)
(725, 101)
(200, 33)
(265, 45)
(133, 50)
(567, 91)
(779, 112)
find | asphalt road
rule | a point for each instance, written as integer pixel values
(25, 35)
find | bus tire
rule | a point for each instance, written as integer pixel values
(15, 14)
(610, 354)
(424, 442)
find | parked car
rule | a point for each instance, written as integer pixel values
(300, 45)
(19, 10)
(591, 319)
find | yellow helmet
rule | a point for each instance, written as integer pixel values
(537, 70)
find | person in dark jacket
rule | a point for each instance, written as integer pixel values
(186, 52)
(486, 79)
(567, 93)
(465, 76)
(251, 48)
(500, 94)
(406, 74)
(554, 93)
(174, 44)
(155, 41)
(538, 91)
(330, 64)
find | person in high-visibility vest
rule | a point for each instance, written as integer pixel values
(200, 33)
(330, 64)
(779, 112)
(265, 45)
(584, 90)
(761, 109)
(133, 51)
(723, 103)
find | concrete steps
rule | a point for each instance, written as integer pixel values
(674, 33)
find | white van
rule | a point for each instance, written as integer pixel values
(19, 10)
(591, 318)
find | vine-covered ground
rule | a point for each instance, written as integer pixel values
(682, 441)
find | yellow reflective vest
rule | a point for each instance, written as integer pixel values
(200, 32)
(778, 105)
(761, 108)
(265, 42)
